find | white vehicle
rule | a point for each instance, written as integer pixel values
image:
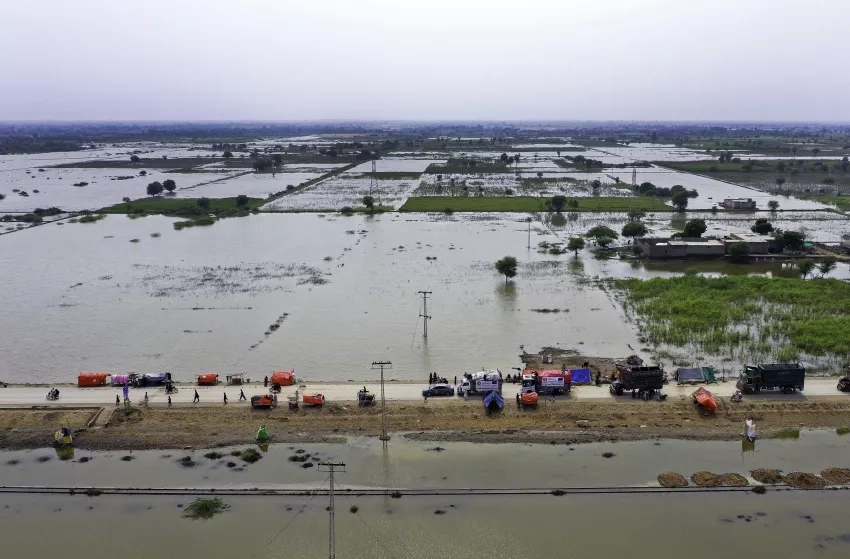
(482, 382)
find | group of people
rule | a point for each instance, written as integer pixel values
(195, 400)
(433, 378)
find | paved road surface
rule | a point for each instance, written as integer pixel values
(21, 396)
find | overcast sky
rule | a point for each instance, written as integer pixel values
(433, 59)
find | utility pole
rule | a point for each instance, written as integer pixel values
(425, 311)
(380, 365)
(373, 180)
(330, 468)
(528, 219)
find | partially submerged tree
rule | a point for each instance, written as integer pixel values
(827, 265)
(634, 229)
(507, 267)
(762, 226)
(154, 188)
(680, 200)
(773, 205)
(602, 234)
(369, 202)
(169, 185)
(780, 181)
(805, 267)
(738, 252)
(695, 228)
(637, 215)
(575, 244)
(134, 159)
(227, 154)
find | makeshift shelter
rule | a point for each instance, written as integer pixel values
(708, 374)
(283, 378)
(689, 375)
(154, 379)
(581, 376)
(92, 379)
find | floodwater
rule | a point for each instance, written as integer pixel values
(780, 524)
(410, 464)
(202, 299)
(572, 527)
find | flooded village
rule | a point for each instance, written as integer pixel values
(428, 280)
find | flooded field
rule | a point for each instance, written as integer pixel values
(807, 524)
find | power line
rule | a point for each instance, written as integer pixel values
(331, 468)
(297, 514)
(374, 535)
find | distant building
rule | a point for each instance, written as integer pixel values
(739, 204)
(757, 244)
(685, 247)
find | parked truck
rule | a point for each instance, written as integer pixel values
(548, 382)
(643, 380)
(787, 377)
(482, 382)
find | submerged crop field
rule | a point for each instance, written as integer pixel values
(744, 317)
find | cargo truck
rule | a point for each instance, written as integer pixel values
(482, 382)
(643, 380)
(787, 377)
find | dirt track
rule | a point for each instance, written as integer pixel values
(560, 423)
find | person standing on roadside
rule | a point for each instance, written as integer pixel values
(197, 398)
(266, 382)
(169, 401)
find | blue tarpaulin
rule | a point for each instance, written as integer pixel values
(581, 376)
(494, 397)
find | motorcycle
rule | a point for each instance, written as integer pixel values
(53, 394)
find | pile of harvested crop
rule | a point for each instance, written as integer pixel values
(705, 479)
(733, 480)
(770, 477)
(836, 476)
(672, 479)
(804, 480)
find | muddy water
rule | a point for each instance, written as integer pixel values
(780, 524)
(93, 301)
(416, 465)
(572, 527)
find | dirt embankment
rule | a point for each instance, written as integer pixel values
(564, 422)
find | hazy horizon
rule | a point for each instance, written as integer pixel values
(662, 61)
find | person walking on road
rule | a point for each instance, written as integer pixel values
(197, 398)
(146, 399)
(455, 380)
(225, 398)
(117, 400)
(242, 395)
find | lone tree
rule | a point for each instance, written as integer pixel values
(227, 154)
(204, 203)
(780, 181)
(634, 229)
(695, 228)
(576, 244)
(596, 184)
(827, 265)
(680, 200)
(805, 267)
(603, 235)
(155, 188)
(507, 267)
(369, 202)
(773, 205)
(242, 200)
(762, 226)
(135, 159)
(738, 252)
(558, 202)
(169, 185)
(794, 240)
(637, 215)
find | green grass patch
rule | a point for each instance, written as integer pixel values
(185, 207)
(528, 204)
(250, 455)
(841, 202)
(842, 431)
(757, 316)
(470, 165)
(786, 433)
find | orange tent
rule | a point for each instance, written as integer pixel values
(208, 378)
(283, 378)
(92, 379)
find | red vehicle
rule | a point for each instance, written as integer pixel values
(313, 399)
(207, 379)
(283, 378)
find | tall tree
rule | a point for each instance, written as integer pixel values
(507, 266)
(827, 265)
(169, 185)
(575, 244)
(154, 188)
(695, 228)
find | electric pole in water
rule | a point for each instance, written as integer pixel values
(380, 365)
(330, 468)
(373, 180)
(528, 219)
(425, 311)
